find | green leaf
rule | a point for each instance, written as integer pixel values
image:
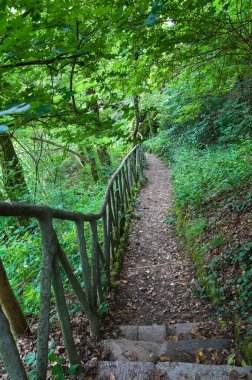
(51, 344)
(72, 370)
(61, 360)
(52, 357)
(60, 377)
(231, 358)
(57, 369)
(30, 358)
(243, 363)
(33, 374)
(170, 220)
(43, 109)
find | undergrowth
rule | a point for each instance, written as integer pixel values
(20, 246)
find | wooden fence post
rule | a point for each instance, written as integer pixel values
(48, 251)
(95, 263)
(63, 314)
(87, 307)
(84, 258)
(106, 246)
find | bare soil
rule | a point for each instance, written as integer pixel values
(155, 282)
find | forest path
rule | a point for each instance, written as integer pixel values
(154, 286)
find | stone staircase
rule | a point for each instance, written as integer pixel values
(161, 352)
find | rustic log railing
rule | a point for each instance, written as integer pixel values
(116, 203)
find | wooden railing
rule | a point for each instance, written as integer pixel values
(95, 267)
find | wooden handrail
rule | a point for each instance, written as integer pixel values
(112, 214)
(34, 210)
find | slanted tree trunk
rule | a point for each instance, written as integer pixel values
(11, 306)
(13, 176)
(16, 190)
(9, 351)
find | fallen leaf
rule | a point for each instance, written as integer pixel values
(112, 376)
(193, 332)
(173, 338)
(164, 358)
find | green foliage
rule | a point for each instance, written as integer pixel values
(161, 145)
(103, 310)
(216, 241)
(246, 348)
(20, 252)
(231, 358)
(170, 220)
(202, 174)
(234, 290)
(57, 368)
(194, 230)
(61, 185)
(30, 358)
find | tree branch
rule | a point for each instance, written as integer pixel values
(80, 157)
(42, 62)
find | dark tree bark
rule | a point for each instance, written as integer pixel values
(16, 189)
(13, 176)
(9, 351)
(137, 119)
(104, 157)
(92, 163)
(11, 306)
(102, 152)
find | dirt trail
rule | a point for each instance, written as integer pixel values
(155, 281)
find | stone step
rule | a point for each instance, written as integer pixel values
(183, 350)
(167, 371)
(122, 371)
(158, 333)
(192, 371)
(185, 330)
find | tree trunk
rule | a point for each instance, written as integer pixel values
(11, 306)
(13, 176)
(102, 152)
(104, 157)
(9, 351)
(16, 190)
(92, 163)
(137, 119)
